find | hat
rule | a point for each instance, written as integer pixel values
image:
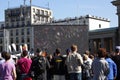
(68, 50)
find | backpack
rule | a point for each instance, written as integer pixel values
(38, 66)
(86, 68)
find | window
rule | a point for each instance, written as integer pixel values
(46, 13)
(1, 48)
(17, 47)
(42, 12)
(2, 25)
(1, 34)
(23, 24)
(7, 25)
(17, 24)
(28, 31)
(99, 25)
(28, 39)
(11, 32)
(17, 40)
(22, 31)
(46, 19)
(49, 13)
(33, 9)
(42, 18)
(84, 22)
(11, 40)
(28, 46)
(17, 32)
(22, 40)
(38, 11)
(34, 16)
(12, 25)
(1, 41)
(28, 23)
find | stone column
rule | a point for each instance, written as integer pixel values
(113, 42)
(117, 4)
(102, 42)
(91, 46)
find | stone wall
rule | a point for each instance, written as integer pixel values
(50, 37)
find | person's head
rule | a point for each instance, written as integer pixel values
(74, 48)
(50, 57)
(108, 55)
(87, 52)
(57, 51)
(24, 53)
(101, 52)
(6, 55)
(44, 53)
(117, 50)
(38, 52)
(91, 57)
(68, 51)
(85, 57)
(3, 54)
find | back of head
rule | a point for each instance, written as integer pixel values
(3, 54)
(74, 47)
(68, 51)
(101, 52)
(58, 51)
(85, 57)
(6, 55)
(24, 53)
(87, 52)
(108, 55)
(37, 50)
(117, 50)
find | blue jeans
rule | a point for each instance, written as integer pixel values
(75, 76)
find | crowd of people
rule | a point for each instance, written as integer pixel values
(74, 66)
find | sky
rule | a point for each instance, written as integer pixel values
(69, 8)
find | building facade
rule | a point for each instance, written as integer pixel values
(105, 38)
(94, 22)
(108, 38)
(27, 15)
(2, 24)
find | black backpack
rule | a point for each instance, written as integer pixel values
(39, 65)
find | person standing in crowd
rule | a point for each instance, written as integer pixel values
(50, 71)
(68, 52)
(100, 66)
(39, 66)
(58, 64)
(74, 62)
(116, 59)
(86, 68)
(7, 69)
(113, 68)
(23, 66)
(88, 57)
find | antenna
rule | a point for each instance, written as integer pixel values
(30, 2)
(24, 2)
(8, 4)
(48, 5)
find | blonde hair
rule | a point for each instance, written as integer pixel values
(74, 47)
